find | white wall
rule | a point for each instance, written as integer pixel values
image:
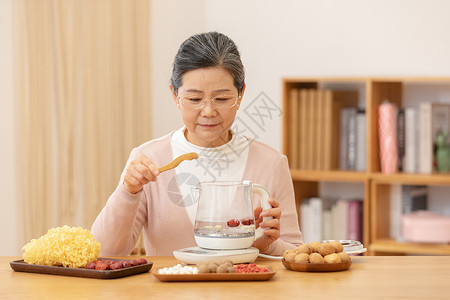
(9, 225)
(276, 39)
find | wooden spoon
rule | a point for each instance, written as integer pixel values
(174, 163)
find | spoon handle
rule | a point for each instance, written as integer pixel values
(174, 163)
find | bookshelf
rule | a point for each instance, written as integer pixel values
(376, 198)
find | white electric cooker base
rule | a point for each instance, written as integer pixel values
(194, 255)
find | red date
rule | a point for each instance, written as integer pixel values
(109, 264)
(101, 265)
(134, 263)
(233, 223)
(126, 264)
(90, 265)
(115, 266)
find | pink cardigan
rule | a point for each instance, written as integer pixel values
(166, 226)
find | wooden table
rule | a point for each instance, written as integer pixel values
(375, 277)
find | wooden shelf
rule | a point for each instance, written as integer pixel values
(404, 178)
(349, 176)
(391, 246)
(376, 205)
(337, 176)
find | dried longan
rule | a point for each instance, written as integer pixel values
(222, 268)
(290, 257)
(229, 263)
(338, 246)
(315, 246)
(344, 256)
(231, 270)
(316, 258)
(303, 248)
(213, 267)
(203, 268)
(286, 252)
(332, 258)
(301, 258)
(326, 248)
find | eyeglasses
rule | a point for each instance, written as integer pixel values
(199, 102)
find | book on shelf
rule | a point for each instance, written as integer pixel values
(305, 220)
(313, 125)
(343, 142)
(318, 133)
(303, 140)
(355, 222)
(299, 128)
(320, 121)
(342, 219)
(316, 219)
(395, 211)
(307, 129)
(350, 148)
(361, 150)
(433, 118)
(327, 224)
(310, 129)
(401, 138)
(411, 160)
(334, 221)
(329, 122)
(294, 128)
(328, 219)
(405, 199)
(311, 219)
(339, 101)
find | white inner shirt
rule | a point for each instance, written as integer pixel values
(223, 163)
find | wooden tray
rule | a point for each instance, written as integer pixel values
(21, 266)
(216, 276)
(309, 267)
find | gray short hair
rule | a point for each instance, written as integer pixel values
(211, 49)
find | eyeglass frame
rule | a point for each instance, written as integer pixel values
(204, 100)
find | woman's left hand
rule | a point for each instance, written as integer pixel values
(272, 231)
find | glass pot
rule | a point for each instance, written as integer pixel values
(225, 214)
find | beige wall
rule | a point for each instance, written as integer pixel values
(276, 39)
(171, 23)
(332, 38)
(9, 225)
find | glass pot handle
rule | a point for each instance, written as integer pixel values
(262, 191)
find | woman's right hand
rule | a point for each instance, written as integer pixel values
(139, 172)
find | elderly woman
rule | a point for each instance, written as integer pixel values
(207, 86)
